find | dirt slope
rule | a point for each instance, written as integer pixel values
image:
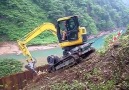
(97, 72)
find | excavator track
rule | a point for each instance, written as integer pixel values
(67, 61)
(76, 56)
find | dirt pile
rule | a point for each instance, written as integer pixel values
(108, 71)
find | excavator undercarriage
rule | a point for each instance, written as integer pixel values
(74, 56)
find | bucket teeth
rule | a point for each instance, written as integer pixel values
(31, 67)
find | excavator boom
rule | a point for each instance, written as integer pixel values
(22, 42)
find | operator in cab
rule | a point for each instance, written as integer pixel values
(64, 31)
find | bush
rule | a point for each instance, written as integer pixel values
(9, 66)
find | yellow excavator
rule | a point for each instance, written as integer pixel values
(72, 39)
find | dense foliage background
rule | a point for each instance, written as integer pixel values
(9, 66)
(18, 17)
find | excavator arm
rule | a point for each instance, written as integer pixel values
(23, 42)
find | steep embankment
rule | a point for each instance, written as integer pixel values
(108, 71)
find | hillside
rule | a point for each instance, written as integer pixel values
(105, 71)
(18, 17)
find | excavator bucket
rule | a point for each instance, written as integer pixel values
(31, 67)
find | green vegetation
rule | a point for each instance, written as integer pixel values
(18, 17)
(9, 66)
(109, 85)
(65, 86)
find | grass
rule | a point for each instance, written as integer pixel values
(109, 85)
(76, 85)
(9, 66)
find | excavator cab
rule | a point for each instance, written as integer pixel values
(67, 29)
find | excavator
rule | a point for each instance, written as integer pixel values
(71, 37)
